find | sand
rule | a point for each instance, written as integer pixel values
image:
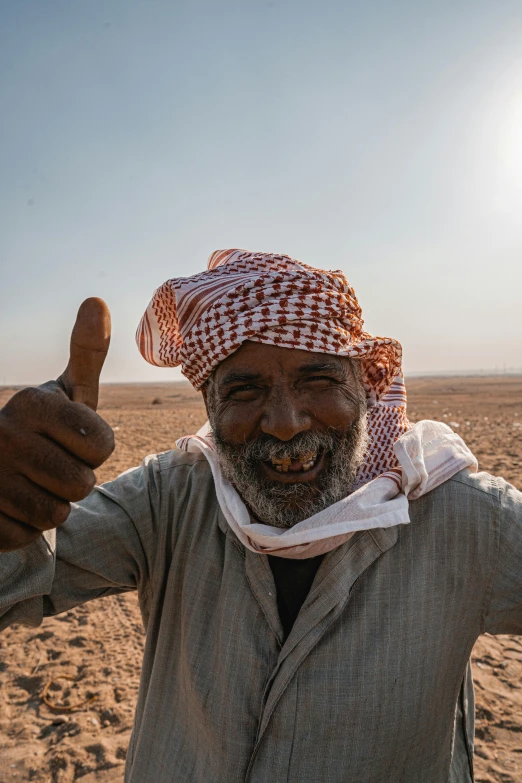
(99, 645)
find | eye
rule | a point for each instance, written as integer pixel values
(320, 381)
(244, 393)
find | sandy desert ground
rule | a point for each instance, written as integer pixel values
(45, 737)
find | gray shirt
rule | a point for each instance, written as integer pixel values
(372, 684)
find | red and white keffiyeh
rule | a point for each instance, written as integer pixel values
(198, 321)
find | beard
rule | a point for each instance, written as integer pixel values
(284, 505)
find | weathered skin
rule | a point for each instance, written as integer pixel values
(51, 438)
(282, 392)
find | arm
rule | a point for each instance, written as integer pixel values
(504, 610)
(104, 547)
(51, 440)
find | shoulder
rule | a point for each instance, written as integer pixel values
(169, 473)
(483, 487)
(162, 493)
(183, 475)
(178, 473)
(176, 460)
(188, 512)
(475, 495)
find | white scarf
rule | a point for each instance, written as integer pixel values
(429, 454)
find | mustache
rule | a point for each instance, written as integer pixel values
(267, 447)
(284, 505)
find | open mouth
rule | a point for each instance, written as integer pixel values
(303, 463)
(288, 470)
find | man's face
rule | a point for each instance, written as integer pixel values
(290, 428)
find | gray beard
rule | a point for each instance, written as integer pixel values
(284, 505)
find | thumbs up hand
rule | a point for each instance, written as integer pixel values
(90, 340)
(51, 438)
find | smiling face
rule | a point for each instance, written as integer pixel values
(290, 428)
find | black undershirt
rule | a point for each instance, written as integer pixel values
(293, 580)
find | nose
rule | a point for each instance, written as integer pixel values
(283, 416)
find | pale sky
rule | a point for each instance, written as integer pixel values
(382, 138)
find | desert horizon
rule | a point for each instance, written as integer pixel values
(424, 375)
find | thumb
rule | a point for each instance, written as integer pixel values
(90, 340)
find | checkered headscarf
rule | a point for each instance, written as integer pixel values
(198, 321)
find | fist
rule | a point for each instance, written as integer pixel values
(52, 439)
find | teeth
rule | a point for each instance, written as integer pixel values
(307, 461)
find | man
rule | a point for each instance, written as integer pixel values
(312, 571)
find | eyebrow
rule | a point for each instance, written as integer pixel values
(308, 369)
(305, 369)
(239, 377)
